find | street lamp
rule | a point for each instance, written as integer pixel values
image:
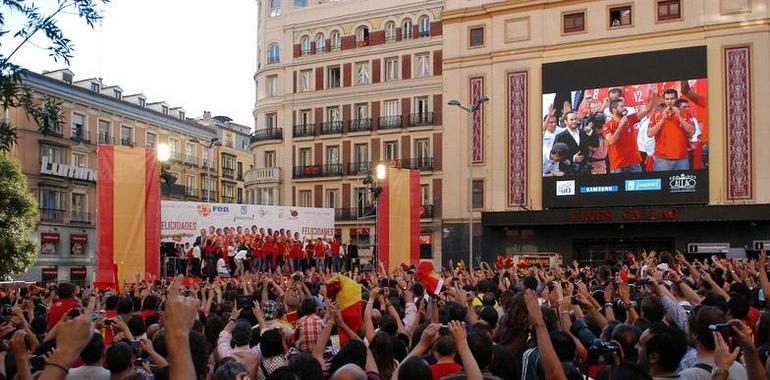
(212, 143)
(381, 170)
(470, 109)
(372, 183)
(164, 152)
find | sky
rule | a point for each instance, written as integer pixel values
(197, 54)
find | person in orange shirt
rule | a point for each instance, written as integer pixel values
(672, 132)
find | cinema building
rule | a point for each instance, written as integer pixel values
(526, 56)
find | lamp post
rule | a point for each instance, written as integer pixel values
(470, 109)
(214, 142)
(374, 187)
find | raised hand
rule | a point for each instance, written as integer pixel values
(723, 358)
(533, 308)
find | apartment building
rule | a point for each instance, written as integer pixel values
(520, 53)
(340, 87)
(61, 166)
(234, 155)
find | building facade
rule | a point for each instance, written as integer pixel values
(234, 156)
(61, 166)
(507, 50)
(342, 86)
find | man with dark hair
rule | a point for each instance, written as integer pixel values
(700, 333)
(444, 350)
(238, 334)
(480, 344)
(576, 139)
(64, 303)
(671, 129)
(309, 327)
(92, 357)
(120, 361)
(652, 309)
(620, 134)
(660, 349)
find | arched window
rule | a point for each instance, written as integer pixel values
(424, 26)
(320, 43)
(390, 32)
(273, 54)
(305, 45)
(362, 36)
(407, 30)
(335, 40)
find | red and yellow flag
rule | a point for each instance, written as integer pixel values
(347, 294)
(398, 218)
(428, 277)
(129, 214)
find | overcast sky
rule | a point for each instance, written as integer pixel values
(197, 54)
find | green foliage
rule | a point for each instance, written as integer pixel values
(12, 94)
(18, 215)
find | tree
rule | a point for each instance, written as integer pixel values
(18, 215)
(47, 112)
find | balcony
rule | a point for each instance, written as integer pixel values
(267, 134)
(172, 189)
(358, 168)
(306, 52)
(106, 139)
(426, 211)
(304, 130)
(190, 160)
(228, 173)
(352, 213)
(317, 171)
(390, 122)
(175, 156)
(424, 33)
(423, 164)
(80, 138)
(208, 195)
(420, 119)
(263, 175)
(228, 199)
(331, 127)
(272, 60)
(125, 141)
(391, 39)
(208, 164)
(51, 214)
(80, 217)
(361, 125)
(190, 192)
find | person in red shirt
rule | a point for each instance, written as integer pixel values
(309, 250)
(444, 350)
(334, 246)
(64, 303)
(296, 255)
(257, 251)
(619, 134)
(672, 132)
(269, 249)
(318, 254)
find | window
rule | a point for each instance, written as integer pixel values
(105, 133)
(305, 45)
(228, 192)
(335, 40)
(272, 85)
(477, 36)
(669, 10)
(305, 158)
(205, 158)
(53, 202)
(305, 198)
(142, 102)
(332, 198)
(421, 105)
(361, 153)
(79, 160)
(424, 26)
(190, 185)
(320, 43)
(173, 149)
(150, 140)
(269, 158)
(390, 32)
(275, 8)
(189, 153)
(273, 54)
(300, 3)
(574, 22)
(391, 108)
(126, 135)
(425, 194)
(423, 65)
(118, 94)
(54, 154)
(67, 77)
(78, 126)
(333, 77)
(407, 30)
(620, 16)
(391, 69)
(391, 150)
(362, 72)
(78, 208)
(333, 114)
(164, 109)
(333, 155)
(422, 156)
(181, 115)
(304, 80)
(478, 194)
(304, 118)
(239, 197)
(362, 36)
(266, 196)
(361, 118)
(271, 121)
(95, 87)
(362, 199)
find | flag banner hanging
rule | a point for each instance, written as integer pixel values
(398, 218)
(128, 226)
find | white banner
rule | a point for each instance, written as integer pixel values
(181, 222)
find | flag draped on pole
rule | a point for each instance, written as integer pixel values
(398, 218)
(347, 294)
(128, 226)
(428, 277)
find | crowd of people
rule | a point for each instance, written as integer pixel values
(233, 251)
(632, 129)
(647, 316)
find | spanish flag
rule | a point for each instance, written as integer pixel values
(429, 278)
(128, 227)
(347, 294)
(398, 218)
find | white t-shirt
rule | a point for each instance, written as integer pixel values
(241, 255)
(737, 372)
(222, 266)
(88, 372)
(196, 252)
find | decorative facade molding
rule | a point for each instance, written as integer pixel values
(517, 137)
(737, 63)
(477, 91)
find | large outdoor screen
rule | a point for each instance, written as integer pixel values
(626, 130)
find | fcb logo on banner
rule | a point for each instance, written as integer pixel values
(204, 209)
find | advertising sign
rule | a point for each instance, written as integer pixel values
(182, 222)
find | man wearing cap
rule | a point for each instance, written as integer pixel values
(271, 310)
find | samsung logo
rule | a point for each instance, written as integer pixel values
(599, 189)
